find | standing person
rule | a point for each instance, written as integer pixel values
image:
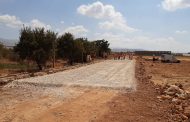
(115, 56)
(131, 56)
(153, 58)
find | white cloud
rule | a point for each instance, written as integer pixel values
(36, 23)
(172, 5)
(108, 25)
(143, 42)
(99, 10)
(78, 30)
(181, 32)
(15, 22)
(10, 21)
(113, 20)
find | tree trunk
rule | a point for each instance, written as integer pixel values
(54, 54)
(40, 67)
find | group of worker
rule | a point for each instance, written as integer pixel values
(123, 56)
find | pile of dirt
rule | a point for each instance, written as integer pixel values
(173, 86)
(174, 96)
(178, 98)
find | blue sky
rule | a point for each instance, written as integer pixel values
(147, 24)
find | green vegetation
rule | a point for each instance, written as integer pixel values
(4, 52)
(39, 45)
(8, 53)
(76, 50)
(36, 45)
(13, 66)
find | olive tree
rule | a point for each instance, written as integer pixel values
(65, 47)
(35, 44)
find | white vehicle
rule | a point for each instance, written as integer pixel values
(169, 58)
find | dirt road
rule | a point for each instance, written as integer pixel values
(110, 73)
(105, 91)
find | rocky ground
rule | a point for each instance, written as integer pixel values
(169, 73)
(173, 84)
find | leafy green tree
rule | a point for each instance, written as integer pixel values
(65, 47)
(90, 48)
(1, 50)
(102, 47)
(35, 44)
(79, 50)
(51, 38)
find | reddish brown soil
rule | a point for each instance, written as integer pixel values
(104, 105)
(170, 73)
(141, 105)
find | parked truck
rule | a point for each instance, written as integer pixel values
(169, 58)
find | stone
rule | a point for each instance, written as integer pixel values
(181, 91)
(169, 93)
(50, 71)
(181, 96)
(21, 76)
(179, 85)
(179, 108)
(172, 90)
(176, 101)
(164, 97)
(184, 117)
(187, 111)
(39, 74)
(157, 88)
(185, 104)
(187, 94)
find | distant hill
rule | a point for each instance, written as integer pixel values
(125, 50)
(8, 42)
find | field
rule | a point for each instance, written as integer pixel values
(10, 67)
(170, 73)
